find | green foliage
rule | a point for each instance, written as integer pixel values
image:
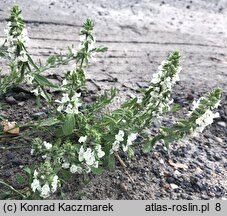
(90, 137)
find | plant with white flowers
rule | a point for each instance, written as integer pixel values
(83, 137)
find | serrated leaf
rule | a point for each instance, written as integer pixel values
(20, 178)
(69, 124)
(99, 49)
(66, 175)
(5, 195)
(43, 81)
(48, 122)
(147, 147)
(97, 171)
(28, 170)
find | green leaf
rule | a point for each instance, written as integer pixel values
(32, 62)
(176, 108)
(5, 195)
(20, 178)
(28, 170)
(97, 171)
(111, 162)
(148, 145)
(131, 152)
(99, 49)
(69, 124)
(65, 175)
(43, 81)
(48, 122)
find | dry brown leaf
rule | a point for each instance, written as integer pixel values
(178, 165)
(10, 127)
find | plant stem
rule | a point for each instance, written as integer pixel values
(13, 189)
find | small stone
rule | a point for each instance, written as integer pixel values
(143, 84)
(16, 162)
(204, 197)
(21, 96)
(211, 194)
(7, 174)
(218, 170)
(190, 97)
(170, 180)
(21, 103)
(10, 156)
(219, 139)
(161, 161)
(173, 186)
(11, 100)
(217, 156)
(225, 165)
(177, 173)
(222, 124)
(39, 115)
(124, 187)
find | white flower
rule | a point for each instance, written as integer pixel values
(89, 157)
(131, 137)
(75, 97)
(72, 109)
(196, 103)
(204, 120)
(29, 79)
(44, 157)
(36, 91)
(54, 184)
(139, 100)
(87, 169)
(82, 139)
(64, 99)
(45, 191)
(125, 148)
(100, 153)
(96, 164)
(23, 56)
(60, 108)
(35, 174)
(81, 154)
(69, 109)
(47, 145)
(64, 82)
(65, 165)
(35, 185)
(32, 151)
(115, 146)
(76, 169)
(120, 136)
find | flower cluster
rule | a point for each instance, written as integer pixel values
(16, 36)
(162, 83)
(45, 181)
(202, 111)
(119, 139)
(74, 79)
(205, 120)
(41, 147)
(69, 104)
(90, 156)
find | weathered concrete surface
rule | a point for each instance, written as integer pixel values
(139, 35)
